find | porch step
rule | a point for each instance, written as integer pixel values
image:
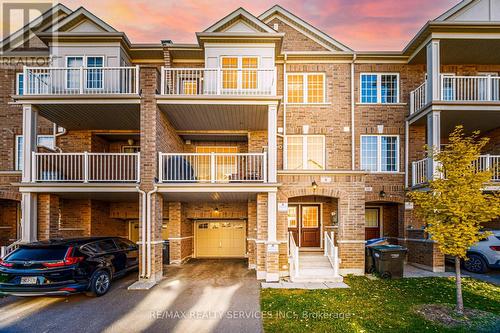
(315, 267)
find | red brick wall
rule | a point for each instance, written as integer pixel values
(8, 221)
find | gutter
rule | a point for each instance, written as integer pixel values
(148, 231)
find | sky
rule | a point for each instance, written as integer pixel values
(360, 24)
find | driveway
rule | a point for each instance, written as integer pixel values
(492, 276)
(200, 296)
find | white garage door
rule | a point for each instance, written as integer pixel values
(221, 239)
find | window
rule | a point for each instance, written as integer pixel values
(292, 217)
(42, 140)
(306, 88)
(380, 153)
(19, 83)
(73, 75)
(226, 165)
(448, 92)
(94, 72)
(371, 217)
(379, 88)
(310, 216)
(239, 72)
(306, 152)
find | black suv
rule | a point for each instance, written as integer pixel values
(64, 266)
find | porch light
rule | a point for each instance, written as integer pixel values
(216, 210)
(382, 194)
(314, 185)
(130, 142)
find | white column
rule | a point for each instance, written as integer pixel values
(29, 139)
(433, 140)
(433, 71)
(29, 217)
(272, 123)
(271, 217)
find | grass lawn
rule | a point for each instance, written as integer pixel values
(372, 306)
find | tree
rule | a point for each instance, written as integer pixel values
(455, 206)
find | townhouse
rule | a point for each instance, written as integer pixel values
(266, 139)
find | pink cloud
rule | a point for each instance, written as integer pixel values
(360, 24)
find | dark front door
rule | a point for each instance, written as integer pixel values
(310, 225)
(372, 223)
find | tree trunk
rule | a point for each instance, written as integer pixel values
(460, 301)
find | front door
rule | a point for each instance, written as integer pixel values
(304, 224)
(372, 223)
(310, 228)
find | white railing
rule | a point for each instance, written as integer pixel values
(85, 167)
(6, 250)
(419, 171)
(470, 88)
(483, 163)
(418, 98)
(332, 252)
(81, 80)
(218, 81)
(212, 167)
(489, 163)
(293, 253)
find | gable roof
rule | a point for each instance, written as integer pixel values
(307, 29)
(77, 17)
(27, 32)
(471, 11)
(240, 14)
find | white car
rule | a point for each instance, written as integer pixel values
(484, 255)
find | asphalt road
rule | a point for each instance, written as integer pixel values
(200, 296)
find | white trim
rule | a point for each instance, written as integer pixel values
(181, 238)
(94, 19)
(236, 13)
(379, 87)
(305, 149)
(305, 92)
(379, 153)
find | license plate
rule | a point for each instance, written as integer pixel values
(29, 280)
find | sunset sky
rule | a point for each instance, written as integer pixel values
(360, 24)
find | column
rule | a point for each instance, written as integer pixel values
(433, 140)
(272, 123)
(433, 71)
(29, 200)
(272, 245)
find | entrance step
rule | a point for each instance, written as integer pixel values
(315, 267)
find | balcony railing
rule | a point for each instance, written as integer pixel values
(219, 81)
(85, 167)
(418, 98)
(483, 163)
(213, 168)
(81, 80)
(459, 89)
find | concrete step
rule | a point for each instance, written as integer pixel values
(316, 271)
(320, 279)
(315, 264)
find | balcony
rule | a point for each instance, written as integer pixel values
(458, 89)
(63, 81)
(420, 174)
(215, 168)
(85, 167)
(218, 82)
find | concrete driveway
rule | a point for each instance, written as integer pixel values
(201, 296)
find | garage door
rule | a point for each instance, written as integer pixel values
(220, 239)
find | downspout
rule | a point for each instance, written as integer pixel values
(353, 137)
(285, 94)
(148, 231)
(143, 231)
(407, 144)
(56, 135)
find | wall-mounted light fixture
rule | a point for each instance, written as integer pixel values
(216, 210)
(130, 142)
(314, 185)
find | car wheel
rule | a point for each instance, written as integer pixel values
(100, 283)
(475, 264)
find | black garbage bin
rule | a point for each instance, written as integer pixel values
(166, 252)
(369, 262)
(389, 260)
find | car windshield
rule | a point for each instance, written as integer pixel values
(38, 253)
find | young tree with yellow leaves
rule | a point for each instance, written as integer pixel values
(456, 204)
